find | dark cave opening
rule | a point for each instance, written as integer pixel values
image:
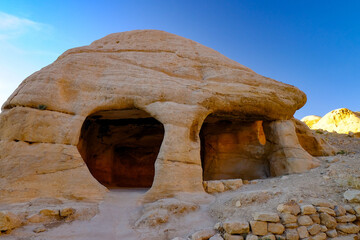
(233, 148)
(120, 147)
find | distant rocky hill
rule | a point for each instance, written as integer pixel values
(340, 120)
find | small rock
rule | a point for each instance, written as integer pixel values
(314, 229)
(333, 160)
(216, 237)
(266, 217)
(290, 207)
(323, 228)
(9, 221)
(39, 229)
(303, 232)
(326, 210)
(268, 237)
(204, 234)
(37, 218)
(352, 196)
(232, 184)
(258, 227)
(291, 225)
(218, 226)
(214, 186)
(276, 228)
(326, 177)
(280, 237)
(346, 218)
(67, 212)
(288, 218)
(238, 204)
(308, 209)
(327, 220)
(49, 213)
(228, 236)
(320, 236)
(252, 237)
(348, 228)
(305, 221)
(349, 209)
(357, 210)
(178, 238)
(153, 218)
(236, 227)
(340, 210)
(331, 233)
(324, 203)
(292, 234)
(316, 218)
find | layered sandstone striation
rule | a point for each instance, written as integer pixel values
(157, 77)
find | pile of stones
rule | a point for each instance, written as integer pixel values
(316, 221)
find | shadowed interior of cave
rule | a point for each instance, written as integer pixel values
(120, 147)
(233, 148)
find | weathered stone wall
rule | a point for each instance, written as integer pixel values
(318, 221)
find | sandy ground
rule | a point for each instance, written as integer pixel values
(119, 211)
(112, 222)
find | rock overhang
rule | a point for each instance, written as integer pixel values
(141, 67)
(175, 80)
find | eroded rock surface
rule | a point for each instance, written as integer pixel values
(174, 80)
(340, 120)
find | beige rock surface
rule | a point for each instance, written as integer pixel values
(172, 79)
(313, 143)
(310, 120)
(341, 120)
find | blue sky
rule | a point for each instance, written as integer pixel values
(314, 45)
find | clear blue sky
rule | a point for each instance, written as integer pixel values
(314, 45)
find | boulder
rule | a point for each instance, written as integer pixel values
(352, 195)
(310, 120)
(9, 221)
(236, 226)
(305, 220)
(289, 207)
(59, 115)
(266, 216)
(341, 120)
(348, 228)
(276, 228)
(204, 234)
(308, 209)
(327, 220)
(258, 228)
(303, 232)
(314, 229)
(313, 143)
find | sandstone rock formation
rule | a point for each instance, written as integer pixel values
(340, 120)
(310, 120)
(313, 143)
(137, 100)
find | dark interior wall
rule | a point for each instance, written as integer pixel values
(232, 148)
(121, 152)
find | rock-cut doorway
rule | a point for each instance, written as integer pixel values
(120, 147)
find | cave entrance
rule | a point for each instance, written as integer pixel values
(233, 148)
(120, 147)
